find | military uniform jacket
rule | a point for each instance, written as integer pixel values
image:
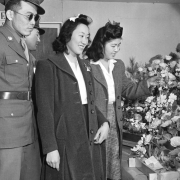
(16, 73)
(61, 120)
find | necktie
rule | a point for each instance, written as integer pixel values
(23, 44)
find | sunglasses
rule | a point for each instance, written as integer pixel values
(30, 17)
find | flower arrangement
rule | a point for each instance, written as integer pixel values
(157, 117)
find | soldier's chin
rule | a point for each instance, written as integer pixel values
(27, 32)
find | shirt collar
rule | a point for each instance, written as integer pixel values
(111, 61)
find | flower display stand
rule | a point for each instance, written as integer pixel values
(130, 139)
(152, 174)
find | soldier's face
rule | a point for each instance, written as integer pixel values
(33, 40)
(20, 20)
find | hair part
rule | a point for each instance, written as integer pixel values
(59, 45)
(104, 34)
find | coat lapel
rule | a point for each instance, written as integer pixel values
(60, 61)
(13, 44)
(98, 75)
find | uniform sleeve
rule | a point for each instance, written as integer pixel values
(133, 90)
(44, 87)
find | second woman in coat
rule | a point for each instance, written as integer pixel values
(111, 84)
(72, 129)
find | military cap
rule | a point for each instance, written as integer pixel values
(41, 31)
(40, 10)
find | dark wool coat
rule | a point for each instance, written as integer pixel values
(61, 121)
(123, 88)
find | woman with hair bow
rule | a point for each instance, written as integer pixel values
(72, 129)
(111, 84)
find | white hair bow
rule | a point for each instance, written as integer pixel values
(74, 18)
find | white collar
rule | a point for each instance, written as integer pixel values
(110, 61)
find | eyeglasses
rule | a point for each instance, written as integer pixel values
(30, 17)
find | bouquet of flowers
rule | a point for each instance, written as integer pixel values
(158, 116)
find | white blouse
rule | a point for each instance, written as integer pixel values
(109, 78)
(80, 79)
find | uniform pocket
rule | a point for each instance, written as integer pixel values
(14, 69)
(15, 123)
(12, 111)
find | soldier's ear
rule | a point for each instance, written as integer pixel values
(9, 15)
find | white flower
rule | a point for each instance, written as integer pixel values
(74, 18)
(152, 111)
(147, 139)
(171, 76)
(140, 142)
(122, 103)
(163, 65)
(157, 61)
(148, 116)
(142, 149)
(143, 125)
(175, 141)
(150, 69)
(139, 108)
(162, 99)
(140, 69)
(149, 99)
(172, 98)
(151, 73)
(135, 148)
(156, 122)
(168, 57)
(166, 123)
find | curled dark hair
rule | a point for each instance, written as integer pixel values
(104, 34)
(59, 45)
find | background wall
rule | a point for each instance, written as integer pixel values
(149, 29)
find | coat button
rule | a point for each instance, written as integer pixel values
(92, 102)
(12, 114)
(90, 83)
(119, 107)
(91, 131)
(92, 111)
(118, 97)
(91, 93)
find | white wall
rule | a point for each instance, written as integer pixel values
(149, 29)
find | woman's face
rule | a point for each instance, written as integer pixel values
(79, 40)
(111, 48)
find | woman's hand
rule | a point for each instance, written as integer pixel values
(53, 159)
(102, 133)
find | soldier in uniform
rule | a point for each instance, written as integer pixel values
(19, 151)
